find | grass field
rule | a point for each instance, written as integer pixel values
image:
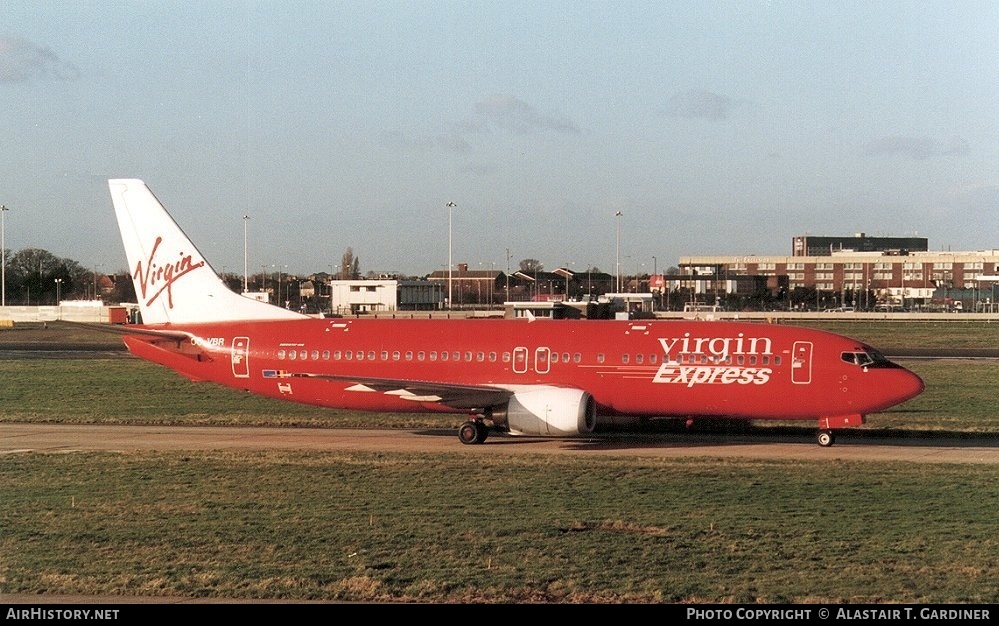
(883, 334)
(443, 528)
(454, 528)
(959, 398)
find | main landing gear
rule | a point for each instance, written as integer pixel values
(826, 438)
(473, 432)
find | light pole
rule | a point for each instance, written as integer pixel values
(3, 255)
(450, 206)
(58, 283)
(246, 218)
(508, 274)
(618, 269)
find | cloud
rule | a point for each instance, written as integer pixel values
(918, 148)
(516, 116)
(446, 142)
(21, 61)
(958, 146)
(698, 103)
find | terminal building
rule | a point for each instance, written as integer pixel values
(809, 245)
(878, 272)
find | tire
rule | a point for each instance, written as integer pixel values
(482, 431)
(470, 433)
(826, 438)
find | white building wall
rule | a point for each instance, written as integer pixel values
(348, 296)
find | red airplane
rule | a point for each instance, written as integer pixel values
(558, 378)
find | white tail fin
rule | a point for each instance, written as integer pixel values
(173, 282)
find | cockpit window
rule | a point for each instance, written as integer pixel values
(865, 358)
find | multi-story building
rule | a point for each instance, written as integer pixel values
(850, 278)
(811, 245)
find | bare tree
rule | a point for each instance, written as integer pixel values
(531, 265)
(349, 265)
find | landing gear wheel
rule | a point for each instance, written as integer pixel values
(826, 438)
(472, 432)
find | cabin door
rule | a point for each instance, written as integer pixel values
(542, 360)
(520, 360)
(801, 363)
(241, 357)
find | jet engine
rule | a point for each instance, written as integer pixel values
(548, 412)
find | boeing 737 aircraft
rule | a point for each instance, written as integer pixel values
(558, 378)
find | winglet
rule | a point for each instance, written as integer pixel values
(173, 282)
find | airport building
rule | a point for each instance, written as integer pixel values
(809, 245)
(851, 278)
(349, 297)
(468, 287)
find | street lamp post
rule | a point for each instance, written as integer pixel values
(508, 274)
(618, 267)
(450, 206)
(655, 274)
(246, 287)
(58, 283)
(3, 254)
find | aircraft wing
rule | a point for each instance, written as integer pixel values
(454, 396)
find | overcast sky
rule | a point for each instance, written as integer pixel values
(712, 127)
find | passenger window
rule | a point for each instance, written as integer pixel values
(468, 357)
(421, 355)
(281, 355)
(433, 356)
(639, 358)
(480, 357)
(444, 356)
(492, 357)
(576, 358)
(371, 355)
(409, 355)
(360, 355)
(506, 357)
(554, 357)
(385, 355)
(625, 358)
(292, 355)
(315, 355)
(326, 355)
(348, 355)
(337, 355)
(600, 357)
(396, 355)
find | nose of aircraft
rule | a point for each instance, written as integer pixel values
(902, 386)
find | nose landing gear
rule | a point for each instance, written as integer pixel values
(826, 438)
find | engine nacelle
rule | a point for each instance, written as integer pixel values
(550, 412)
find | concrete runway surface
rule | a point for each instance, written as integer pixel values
(65, 438)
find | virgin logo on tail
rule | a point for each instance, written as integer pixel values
(158, 277)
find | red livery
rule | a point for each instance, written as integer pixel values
(558, 378)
